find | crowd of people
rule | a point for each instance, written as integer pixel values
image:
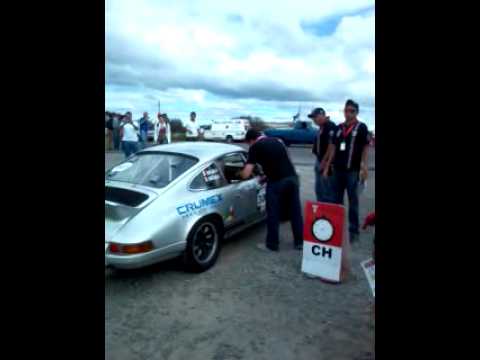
(130, 136)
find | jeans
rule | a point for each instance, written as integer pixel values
(116, 139)
(283, 194)
(348, 180)
(143, 138)
(324, 186)
(129, 148)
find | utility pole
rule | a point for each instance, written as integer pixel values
(159, 106)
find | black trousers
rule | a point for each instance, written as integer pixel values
(283, 196)
(349, 181)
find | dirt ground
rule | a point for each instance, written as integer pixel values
(251, 305)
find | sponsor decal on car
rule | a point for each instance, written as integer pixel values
(231, 214)
(261, 200)
(198, 206)
(210, 175)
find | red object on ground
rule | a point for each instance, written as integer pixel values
(369, 220)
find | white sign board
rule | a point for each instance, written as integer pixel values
(323, 240)
(368, 267)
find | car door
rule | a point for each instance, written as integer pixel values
(242, 194)
(260, 205)
(219, 132)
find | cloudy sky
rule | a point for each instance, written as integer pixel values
(228, 58)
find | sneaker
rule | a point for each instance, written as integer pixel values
(263, 247)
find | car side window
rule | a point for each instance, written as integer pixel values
(209, 178)
(231, 164)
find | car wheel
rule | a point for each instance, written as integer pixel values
(203, 245)
(229, 139)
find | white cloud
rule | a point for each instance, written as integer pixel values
(205, 53)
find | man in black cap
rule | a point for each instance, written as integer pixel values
(323, 148)
(282, 186)
(350, 163)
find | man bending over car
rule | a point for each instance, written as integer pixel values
(282, 186)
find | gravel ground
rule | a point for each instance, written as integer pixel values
(250, 305)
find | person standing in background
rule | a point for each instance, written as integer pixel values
(160, 135)
(323, 148)
(169, 131)
(193, 130)
(143, 123)
(350, 163)
(116, 124)
(109, 127)
(129, 135)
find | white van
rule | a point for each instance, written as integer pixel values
(226, 131)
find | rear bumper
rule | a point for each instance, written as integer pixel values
(137, 261)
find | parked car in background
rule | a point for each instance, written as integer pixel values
(226, 131)
(244, 122)
(178, 199)
(303, 132)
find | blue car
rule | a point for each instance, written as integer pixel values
(302, 133)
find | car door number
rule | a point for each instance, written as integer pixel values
(261, 199)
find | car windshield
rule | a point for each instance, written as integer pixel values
(151, 169)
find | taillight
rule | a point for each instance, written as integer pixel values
(131, 249)
(114, 248)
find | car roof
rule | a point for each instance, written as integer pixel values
(202, 150)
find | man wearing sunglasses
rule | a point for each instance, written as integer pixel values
(350, 163)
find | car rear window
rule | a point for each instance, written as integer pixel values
(124, 196)
(154, 169)
(209, 178)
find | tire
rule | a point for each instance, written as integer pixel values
(202, 252)
(229, 139)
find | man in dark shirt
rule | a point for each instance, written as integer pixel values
(143, 123)
(350, 163)
(322, 148)
(282, 186)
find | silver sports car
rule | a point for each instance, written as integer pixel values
(178, 199)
